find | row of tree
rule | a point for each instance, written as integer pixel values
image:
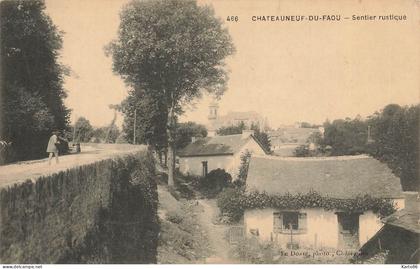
(391, 135)
(31, 78)
(83, 131)
(168, 52)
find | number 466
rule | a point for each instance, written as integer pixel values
(232, 18)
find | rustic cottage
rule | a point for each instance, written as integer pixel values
(206, 154)
(337, 179)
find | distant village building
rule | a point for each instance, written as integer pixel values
(248, 118)
(206, 154)
(343, 177)
(399, 239)
(287, 138)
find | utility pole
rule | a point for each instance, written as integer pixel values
(134, 131)
(74, 129)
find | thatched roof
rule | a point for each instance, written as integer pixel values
(340, 177)
(409, 217)
(405, 219)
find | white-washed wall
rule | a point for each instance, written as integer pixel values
(253, 147)
(399, 203)
(194, 166)
(231, 163)
(369, 224)
(322, 227)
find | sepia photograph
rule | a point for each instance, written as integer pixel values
(221, 132)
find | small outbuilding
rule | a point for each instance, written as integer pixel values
(341, 179)
(399, 239)
(206, 154)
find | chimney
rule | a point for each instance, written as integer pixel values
(247, 133)
(412, 201)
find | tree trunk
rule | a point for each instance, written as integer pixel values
(171, 147)
(171, 166)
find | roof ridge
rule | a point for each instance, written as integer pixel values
(326, 158)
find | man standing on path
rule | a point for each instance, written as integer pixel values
(52, 147)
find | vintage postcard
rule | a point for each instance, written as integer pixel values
(209, 132)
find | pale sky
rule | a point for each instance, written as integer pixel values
(286, 71)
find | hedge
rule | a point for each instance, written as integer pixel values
(234, 201)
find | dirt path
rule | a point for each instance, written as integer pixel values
(215, 233)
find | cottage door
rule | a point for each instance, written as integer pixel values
(348, 230)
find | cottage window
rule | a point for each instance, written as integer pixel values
(286, 221)
(205, 168)
(348, 223)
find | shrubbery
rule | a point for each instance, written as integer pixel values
(212, 184)
(230, 203)
(215, 181)
(174, 217)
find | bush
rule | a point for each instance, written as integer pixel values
(230, 203)
(184, 188)
(251, 250)
(174, 217)
(215, 182)
(243, 169)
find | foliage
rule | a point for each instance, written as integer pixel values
(254, 251)
(395, 131)
(346, 137)
(308, 125)
(215, 181)
(394, 140)
(99, 135)
(171, 51)
(243, 168)
(259, 135)
(229, 202)
(181, 242)
(231, 130)
(151, 119)
(302, 151)
(233, 202)
(31, 78)
(314, 147)
(174, 217)
(185, 132)
(263, 138)
(84, 131)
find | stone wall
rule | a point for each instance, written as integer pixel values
(104, 212)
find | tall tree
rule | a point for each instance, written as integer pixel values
(148, 116)
(171, 50)
(394, 139)
(31, 77)
(185, 131)
(346, 137)
(83, 130)
(395, 133)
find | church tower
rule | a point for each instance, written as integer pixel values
(212, 117)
